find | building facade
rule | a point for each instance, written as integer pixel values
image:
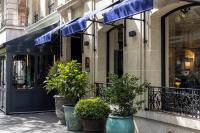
(160, 46)
(163, 50)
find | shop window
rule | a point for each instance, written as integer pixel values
(23, 71)
(184, 48)
(2, 71)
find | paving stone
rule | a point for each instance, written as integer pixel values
(31, 123)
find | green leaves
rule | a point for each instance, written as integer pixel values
(93, 108)
(122, 94)
(67, 79)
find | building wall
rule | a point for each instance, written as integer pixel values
(11, 24)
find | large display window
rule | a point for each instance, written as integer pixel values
(183, 41)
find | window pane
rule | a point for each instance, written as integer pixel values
(184, 48)
(23, 71)
(51, 6)
(2, 70)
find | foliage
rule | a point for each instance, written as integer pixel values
(122, 93)
(67, 79)
(93, 108)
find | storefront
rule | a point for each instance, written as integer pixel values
(23, 70)
(160, 46)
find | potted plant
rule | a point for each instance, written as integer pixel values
(93, 113)
(52, 83)
(75, 83)
(122, 93)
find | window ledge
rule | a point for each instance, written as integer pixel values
(178, 120)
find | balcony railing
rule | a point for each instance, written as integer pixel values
(180, 101)
(175, 100)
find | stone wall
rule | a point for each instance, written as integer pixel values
(154, 122)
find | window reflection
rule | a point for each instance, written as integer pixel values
(2, 70)
(23, 71)
(184, 48)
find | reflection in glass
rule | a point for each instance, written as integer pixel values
(23, 71)
(184, 48)
(2, 71)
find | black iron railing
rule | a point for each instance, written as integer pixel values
(98, 88)
(175, 100)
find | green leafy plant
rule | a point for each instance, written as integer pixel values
(93, 108)
(122, 94)
(67, 79)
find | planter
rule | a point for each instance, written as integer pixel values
(73, 123)
(93, 125)
(117, 124)
(59, 102)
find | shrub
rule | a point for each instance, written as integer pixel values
(67, 79)
(93, 108)
(122, 94)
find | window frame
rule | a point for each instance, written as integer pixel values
(164, 47)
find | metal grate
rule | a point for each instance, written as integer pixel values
(182, 101)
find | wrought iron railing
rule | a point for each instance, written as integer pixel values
(175, 100)
(98, 88)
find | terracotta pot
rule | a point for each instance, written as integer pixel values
(93, 125)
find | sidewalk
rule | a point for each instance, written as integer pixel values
(31, 123)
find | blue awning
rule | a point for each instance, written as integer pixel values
(47, 37)
(77, 26)
(126, 9)
(81, 24)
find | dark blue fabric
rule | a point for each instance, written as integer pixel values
(126, 9)
(81, 24)
(69, 28)
(77, 26)
(48, 36)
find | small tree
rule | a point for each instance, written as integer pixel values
(122, 94)
(67, 79)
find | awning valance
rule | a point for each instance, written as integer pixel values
(81, 24)
(47, 37)
(77, 26)
(126, 9)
